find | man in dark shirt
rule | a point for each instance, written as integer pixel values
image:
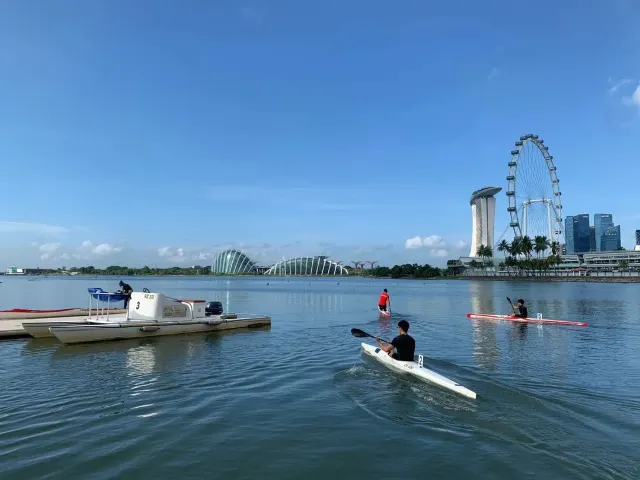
(404, 344)
(519, 310)
(126, 288)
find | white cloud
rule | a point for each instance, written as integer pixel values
(437, 246)
(494, 73)
(626, 91)
(106, 249)
(36, 228)
(87, 244)
(617, 84)
(64, 256)
(415, 242)
(49, 247)
(173, 255)
(432, 241)
(634, 99)
(45, 256)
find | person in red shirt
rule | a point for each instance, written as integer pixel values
(384, 300)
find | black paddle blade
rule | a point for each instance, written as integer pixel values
(356, 332)
(509, 300)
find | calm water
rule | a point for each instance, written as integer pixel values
(300, 401)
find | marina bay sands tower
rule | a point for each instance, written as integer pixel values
(483, 212)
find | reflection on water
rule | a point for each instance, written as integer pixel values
(481, 295)
(141, 360)
(485, 352)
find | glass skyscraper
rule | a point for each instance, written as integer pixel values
(610, 239)
(592, 238)
(601, 222)
(569, 244)
(581, 233)
(637, 238)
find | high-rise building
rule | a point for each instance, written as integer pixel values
(601, 222)
(610, 239)
(637, 240)
(581, 233)
(592, 238)
(568, 236)
(483, 212)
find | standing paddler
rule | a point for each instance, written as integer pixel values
(384, 301)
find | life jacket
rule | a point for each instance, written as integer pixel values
(384, 296)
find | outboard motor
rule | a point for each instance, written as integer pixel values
(213, 308)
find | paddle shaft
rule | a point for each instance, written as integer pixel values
(511, 303)
(356, 332)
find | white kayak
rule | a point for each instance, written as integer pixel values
(416, 369)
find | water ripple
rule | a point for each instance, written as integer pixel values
(299, 400)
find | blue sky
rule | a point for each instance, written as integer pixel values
(160, 131)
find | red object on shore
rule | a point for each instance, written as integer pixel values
(26, 310)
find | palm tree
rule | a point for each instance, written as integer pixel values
(482, 252)
(541, 244)
(488, 253)
(526, 245)
(504, 246)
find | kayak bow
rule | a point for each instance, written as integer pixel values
(511, 318)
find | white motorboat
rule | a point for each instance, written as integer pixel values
(149, 315)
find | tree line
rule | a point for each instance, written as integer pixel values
(406, 271)
(518, 255)
(133, 271)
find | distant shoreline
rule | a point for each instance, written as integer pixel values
(531, 279)
(595, 279)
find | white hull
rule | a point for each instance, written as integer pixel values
(415, 369)
(40, 329)
(133, 329)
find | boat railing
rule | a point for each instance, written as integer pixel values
(101, 297)
(188, 304)
(190, 307)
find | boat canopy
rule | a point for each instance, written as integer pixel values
(100, 294)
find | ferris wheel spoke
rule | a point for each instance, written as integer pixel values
(535, 202)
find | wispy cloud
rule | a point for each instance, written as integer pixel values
(615, 85)
(494, 73)
(634, 98)
(174, 255)
(436, 245)
(34, 228)
(252, 13)
(329, 199)
(87, 250)
(626, 91)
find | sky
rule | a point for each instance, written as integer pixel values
(163, 132)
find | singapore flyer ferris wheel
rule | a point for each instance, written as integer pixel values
(535, 199)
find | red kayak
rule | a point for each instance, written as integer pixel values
(511, 318)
